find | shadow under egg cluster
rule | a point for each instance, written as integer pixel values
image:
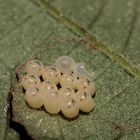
(64, 86)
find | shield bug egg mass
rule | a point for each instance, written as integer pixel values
(63, 87)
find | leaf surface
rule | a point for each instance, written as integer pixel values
(36, 29)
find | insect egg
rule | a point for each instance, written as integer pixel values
(30, 81)
(86, 85)
(68, 80)
(66, 91)
(64, 86)
(34, 67)
(51, 102)
(34, 97)
(48, 86)
(65, 64)
(52, 74)
(85, 101)
(69, 108)
(79, 70)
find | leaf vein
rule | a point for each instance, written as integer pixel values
(79, 30)
(131, 27)
(100, 12)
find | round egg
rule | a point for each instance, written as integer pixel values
(52, 74)
(69, 108)
(51, 102)
(86, 85)
(84, 100)
(80, 71)
(34, 67)
(65, 64)
(68, 80)
(33, 97)
(29, 81)
(48, 86)
(66, 92)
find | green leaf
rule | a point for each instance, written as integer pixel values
(116, 90)
(4, 98)
(12, 135)
(102, 33)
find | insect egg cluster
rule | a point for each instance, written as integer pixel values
(63, 87)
